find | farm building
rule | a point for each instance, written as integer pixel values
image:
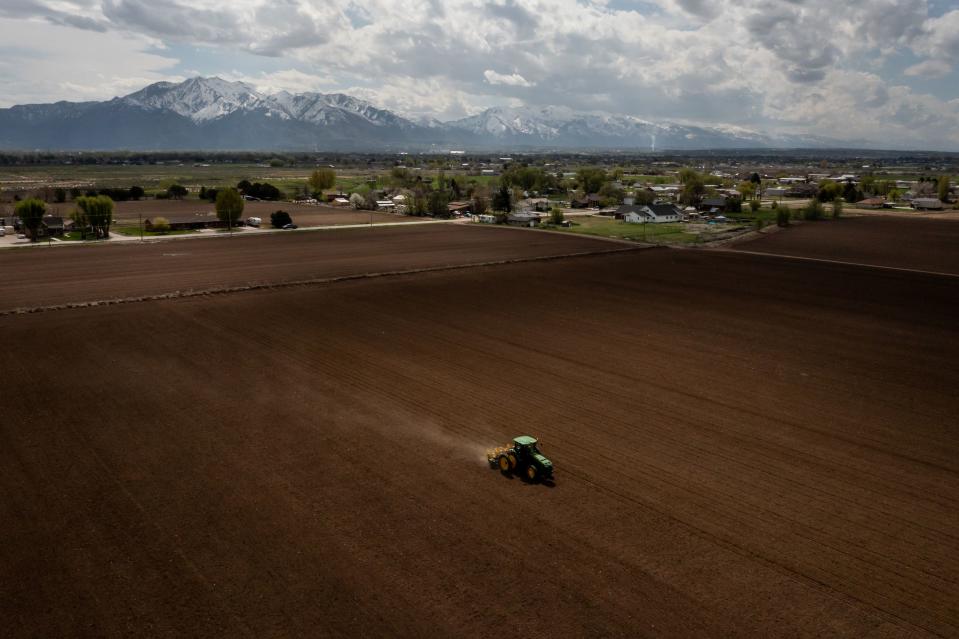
(188, 222)
(927, 204)
(593, 200)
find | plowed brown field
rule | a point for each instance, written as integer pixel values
(893, 241)
(745, 446)
(128, 213)
(41, 276)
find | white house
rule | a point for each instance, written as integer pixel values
(927, 203)
(649, 213)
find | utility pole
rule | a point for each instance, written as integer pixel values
(372, 182)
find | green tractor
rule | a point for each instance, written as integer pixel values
(522, 457)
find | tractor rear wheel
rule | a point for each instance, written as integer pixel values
(504, 464)
(531, 472)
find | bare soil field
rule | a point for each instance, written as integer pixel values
(44, 276)
(745, 446)
(129, 213)
(918, 243)
(303, 215)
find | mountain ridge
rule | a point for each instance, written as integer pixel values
(216, 114)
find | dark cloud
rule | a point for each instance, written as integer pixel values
(524, 21)
(701, 8)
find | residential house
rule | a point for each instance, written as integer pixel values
(591, 201)
(539, 204)
(713, 204)
(524, 218)
(52, 225)
(648, 213)
(460, 208)
(871, 203)
(802, 190)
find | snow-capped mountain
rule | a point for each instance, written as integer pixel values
(216, 114)
(320, 108)
(563, 127)
(200, 99)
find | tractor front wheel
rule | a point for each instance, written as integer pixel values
(531, 472)
(504, 465)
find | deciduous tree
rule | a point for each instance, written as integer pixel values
(836, 209)
(229, 206)
(556, 216)
(279, 219)
(503, 200)
(829, 191)
(943, 188)
(813, 210)
(177, 191)
(98, 211)
(591, 180)
(160, 225)
(322, 179)
(439, 204)
(31, 212)
(480, 205)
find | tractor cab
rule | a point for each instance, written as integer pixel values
(526, 445)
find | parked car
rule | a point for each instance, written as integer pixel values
(290, 226)
(3, 231)
(253, 221)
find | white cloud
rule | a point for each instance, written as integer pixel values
(942, 37)
(929, 69)
(777, 64)
(292, 80)
(44, 62)
(513, 79)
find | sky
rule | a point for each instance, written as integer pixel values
(881, 71)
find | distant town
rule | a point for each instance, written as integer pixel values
(690, 198)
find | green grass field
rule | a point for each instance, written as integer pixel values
(606, 227)
(135, 231)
